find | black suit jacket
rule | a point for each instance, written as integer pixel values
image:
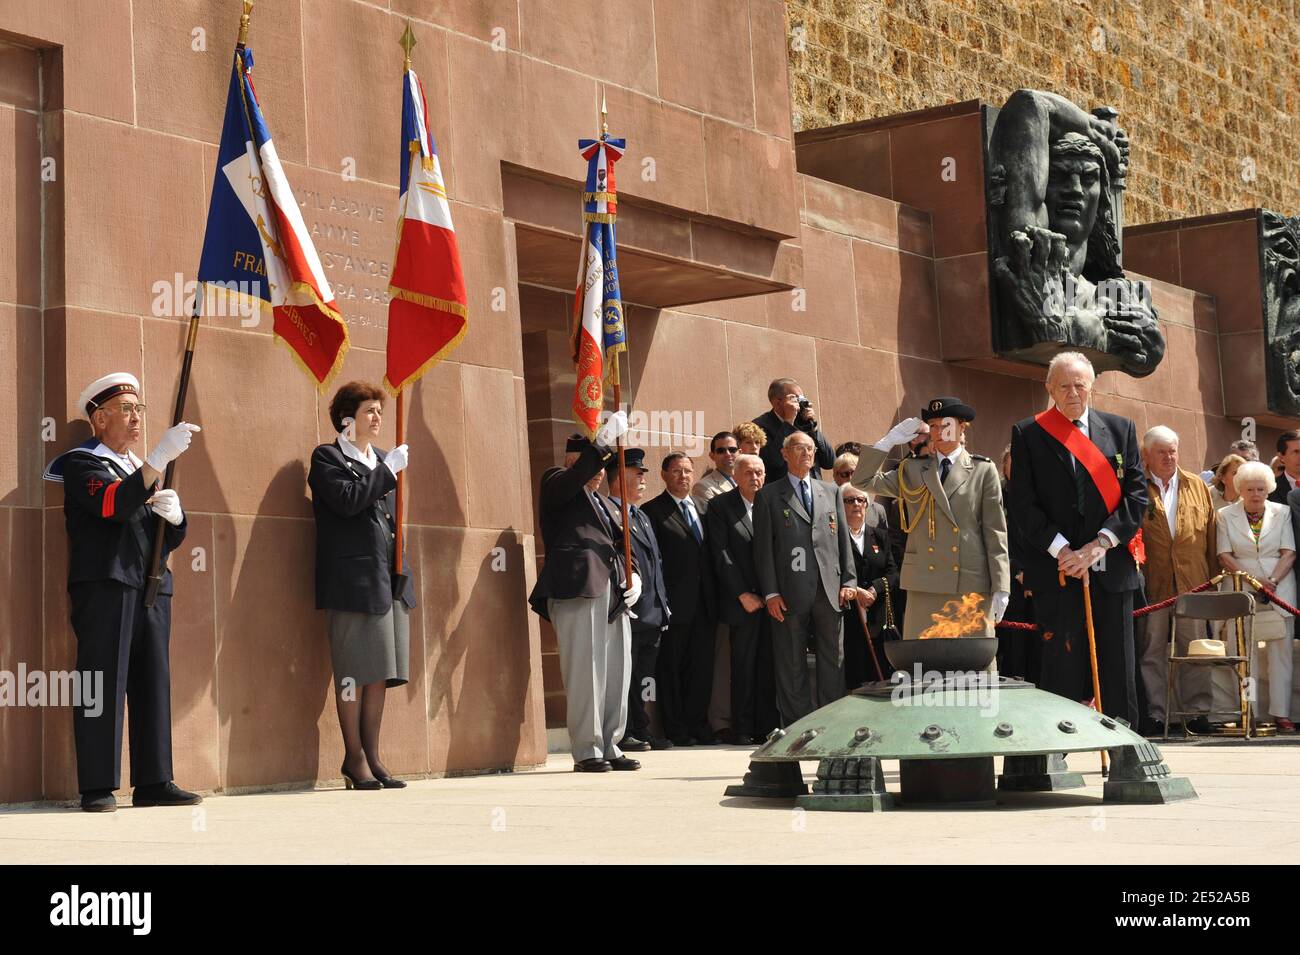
(110, 528)
(874, 565)
(1043, 500)
(652, 608)
(1281, 493)
(688, 570)
(354, 533)
(731, 544)
(582, 557)
(777, 430)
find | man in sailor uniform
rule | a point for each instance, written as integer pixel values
(110, 503)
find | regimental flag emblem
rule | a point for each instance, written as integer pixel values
(599, 333)
(257, 251)
(429, 311)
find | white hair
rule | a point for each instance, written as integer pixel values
(1254, 471)
(751, 460)
(1067, 359)
(1159, 434)
(795, 434)
(848, 486)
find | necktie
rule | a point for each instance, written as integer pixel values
(807, 498)
(604, 517)
(1080, 476)
(944, 467)
(692, 523)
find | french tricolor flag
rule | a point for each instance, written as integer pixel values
(428, 312)
(257, 250)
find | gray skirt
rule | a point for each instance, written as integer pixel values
(369, 647)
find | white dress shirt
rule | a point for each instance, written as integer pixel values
(689, 502)
(1169, 498)
(350, 450)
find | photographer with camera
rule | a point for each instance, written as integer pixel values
(791, 412)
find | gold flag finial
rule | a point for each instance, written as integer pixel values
(408, 42)
(604, 116)
(243, 22)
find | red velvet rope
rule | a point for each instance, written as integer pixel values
(1268, 595)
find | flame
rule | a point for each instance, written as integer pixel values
(958, 618)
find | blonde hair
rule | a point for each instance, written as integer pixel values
(1231, 461)
(750, 432)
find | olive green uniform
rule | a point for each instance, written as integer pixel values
(957, 540)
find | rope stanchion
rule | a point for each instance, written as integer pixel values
(1266, 593)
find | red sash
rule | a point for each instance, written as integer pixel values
(1085, 452)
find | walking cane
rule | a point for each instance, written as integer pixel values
(1092, 655)
(862, 615)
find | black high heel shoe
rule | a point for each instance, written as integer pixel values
(391, 782)
(350, 783)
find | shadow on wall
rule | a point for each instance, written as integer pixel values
(488, 643)
(273, 665)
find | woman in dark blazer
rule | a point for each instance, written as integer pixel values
(874, 562)
(352, 484)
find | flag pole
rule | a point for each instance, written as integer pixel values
(153, 583)
(618, 405)
(399, 538)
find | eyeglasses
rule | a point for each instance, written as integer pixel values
(126, 410)
(726, 450)
(855, 501)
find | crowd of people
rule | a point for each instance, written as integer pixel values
(758, 557)
(758, 561)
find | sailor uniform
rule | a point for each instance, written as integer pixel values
(110, 530)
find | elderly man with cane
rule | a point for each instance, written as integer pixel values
(1077, 497)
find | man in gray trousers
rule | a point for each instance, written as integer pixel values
(582, 589)
(804, 558)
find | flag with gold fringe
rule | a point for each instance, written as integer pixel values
(257, 252)
(428, 313)
(599, 334)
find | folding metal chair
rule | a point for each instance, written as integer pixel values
(1213, 606)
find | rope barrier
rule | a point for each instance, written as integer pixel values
(1266, 593)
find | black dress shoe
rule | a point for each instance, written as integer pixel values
(631, 744)
(740, 739)
(685, 741)
(658, 742)
(624, 763)
(164, 794)
(1200, 726)
(362, 785)
(391, 782)
(593, 765)
(98, 800)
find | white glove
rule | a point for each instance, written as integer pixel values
(900, 433)
(171, 446)
(633, 593)
(613, 429)
(167, 505)
(397, 459)
(999, 605)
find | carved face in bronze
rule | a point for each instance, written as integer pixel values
(1073, 191)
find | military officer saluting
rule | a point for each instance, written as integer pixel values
(951, 504)
(110, 504)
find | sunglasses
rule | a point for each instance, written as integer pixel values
(855, 501)
(726, 450)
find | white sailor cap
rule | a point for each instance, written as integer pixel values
(106, 388)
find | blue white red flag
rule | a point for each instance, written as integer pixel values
(257, 250)
(599, 333)
(428, 312)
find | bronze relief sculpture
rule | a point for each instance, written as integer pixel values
(1279, 243)
(1055, 194)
